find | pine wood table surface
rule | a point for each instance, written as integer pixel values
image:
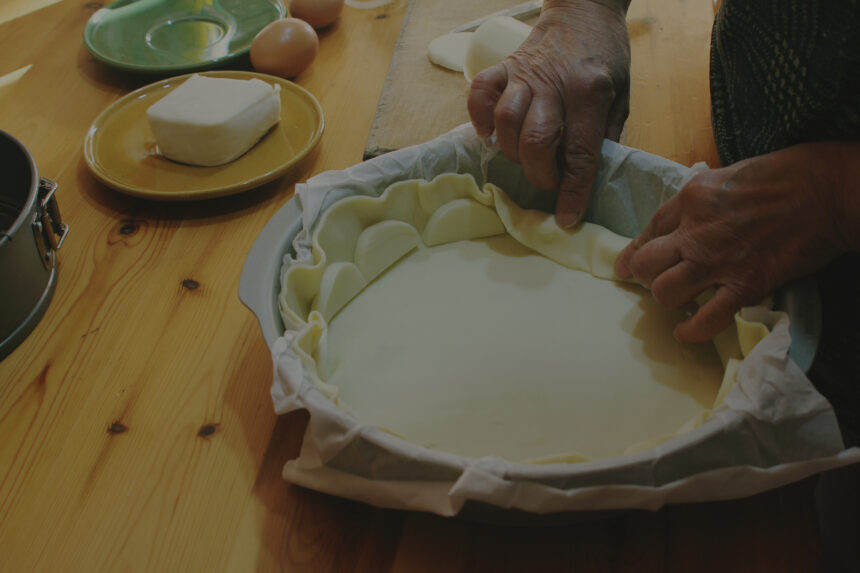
(136, 428)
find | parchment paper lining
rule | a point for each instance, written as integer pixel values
(773, 427)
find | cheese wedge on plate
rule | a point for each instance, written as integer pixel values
(212, 121)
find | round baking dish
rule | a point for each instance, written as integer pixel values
(344, 456)
(31, 231)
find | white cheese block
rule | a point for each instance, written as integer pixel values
(492, 42)
(211, 121)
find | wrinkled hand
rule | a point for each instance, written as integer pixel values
(553, 101)
(745, 229)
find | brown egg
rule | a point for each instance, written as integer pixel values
(317, 13)
(284, 48)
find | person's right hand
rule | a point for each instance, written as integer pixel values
(553, 101)
(747, 229)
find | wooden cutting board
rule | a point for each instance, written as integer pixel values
(669, 103)
(419, 100)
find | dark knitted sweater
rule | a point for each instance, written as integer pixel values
(785, 72)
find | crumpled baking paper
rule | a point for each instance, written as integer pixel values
(773, 427)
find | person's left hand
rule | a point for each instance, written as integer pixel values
(745, 229)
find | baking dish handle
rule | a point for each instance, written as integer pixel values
(48, 226)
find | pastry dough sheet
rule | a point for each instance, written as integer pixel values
(767, 427)
(485, 347)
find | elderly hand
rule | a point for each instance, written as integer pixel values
(746, 229)
(553, 101)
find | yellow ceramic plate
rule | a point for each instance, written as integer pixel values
(121, 152)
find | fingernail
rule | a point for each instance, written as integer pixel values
(483, 132)
(567, 220)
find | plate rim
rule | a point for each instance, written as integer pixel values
(219, 191)
(162, 69)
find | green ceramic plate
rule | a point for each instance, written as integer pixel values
(172, 36)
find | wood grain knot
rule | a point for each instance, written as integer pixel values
(117, 428)
(129, 227)
(207, 430)
(128, 232)
(190, 284)
(381, 16)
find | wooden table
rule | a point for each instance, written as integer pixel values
(136, 428)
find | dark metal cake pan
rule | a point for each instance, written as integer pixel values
(31, 232)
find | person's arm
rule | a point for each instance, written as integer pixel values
(558, 96)
(846, 192)
(747, 229)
